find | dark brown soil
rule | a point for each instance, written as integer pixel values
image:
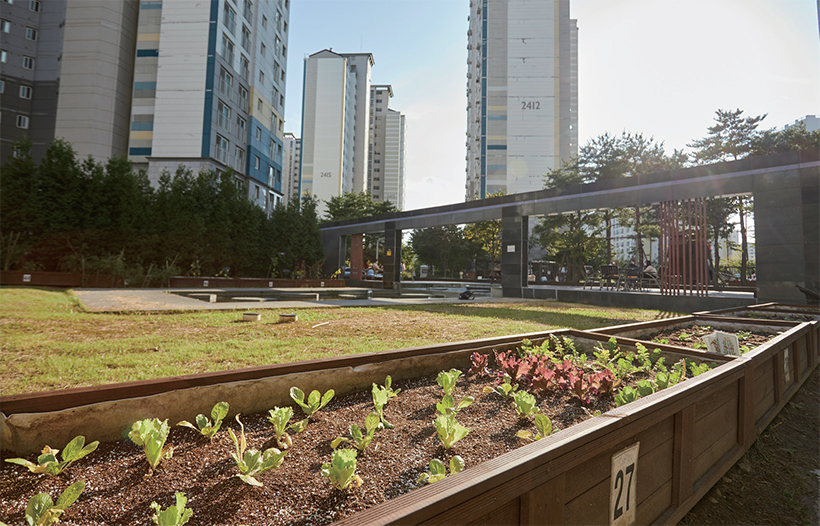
(778, 480)
(691, 337)
(119, 490)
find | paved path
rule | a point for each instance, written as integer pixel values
(122, 300)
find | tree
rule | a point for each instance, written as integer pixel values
(445, 248)
(788, 139)
(353, 205)
(487, 234)
(730, 139)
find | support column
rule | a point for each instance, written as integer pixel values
(786, 234)
(392, 255)
(356, 256)
(334, 253)
(514, 234)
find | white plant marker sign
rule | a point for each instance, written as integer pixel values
(786, 371)
(622, 501)
(723, 343)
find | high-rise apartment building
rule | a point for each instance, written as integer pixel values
(335, 114)
(165, 82)
(291, 159)
(209, 91)
(522, 93)
(386, 158)
(66, 71)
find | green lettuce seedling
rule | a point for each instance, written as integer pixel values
(314, 400)
(543, 426)
(279, 417)
(173, 515)
(438, 470)
(388, 381)
(380, 397)
(47, 462)
(627, 394)
(341, 470)
(151, 434)
(449, 430)
(505, 390)
(204, 426)
(448, 404)
(447, 380)
(524, 404)
(41, 510)
(251, 461)
(359, 439)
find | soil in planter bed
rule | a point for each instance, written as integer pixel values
(119, 490)
(691, 336)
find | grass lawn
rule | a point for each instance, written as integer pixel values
(49, 342)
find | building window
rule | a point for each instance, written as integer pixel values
(259, 104)
(256, 161)
(2, 86)
(22, 122)
(5, 26)
(222, 149)
(230, 18)
(28, 63)
(258, 133)
(240, 127)
(285, 27)
(246, 38)
(282, 101)
(262, 49)
(240, 158)
(34, 5)
(243, 98)
(261, 77)
(248, 7)
(223, 117)
(25, 92)
(225, 81)
(227, 48)
(31, 33)
(264, 22)
(244, 66)
(3, 55)
(284, 52)
(256, 189)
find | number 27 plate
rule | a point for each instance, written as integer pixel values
(622, 501)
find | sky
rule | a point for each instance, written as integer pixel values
(657, 67)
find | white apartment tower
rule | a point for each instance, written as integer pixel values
(522, 93)
(209, 90)
(335, 117)
(386, 161)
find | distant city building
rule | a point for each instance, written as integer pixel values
(334, 147)
(209, 91)
(386, 161)
(291, 156)
(812, 123)
(522, 93)
(155, 80)
(67, 71)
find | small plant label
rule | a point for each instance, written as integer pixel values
(622, 501)
(205, 283)
(26, 278)
(510, 248)
(722, 343)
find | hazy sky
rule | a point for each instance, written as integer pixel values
(660, 67)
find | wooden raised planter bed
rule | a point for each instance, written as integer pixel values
(688, 435)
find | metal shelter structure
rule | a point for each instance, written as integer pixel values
(785, 188)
